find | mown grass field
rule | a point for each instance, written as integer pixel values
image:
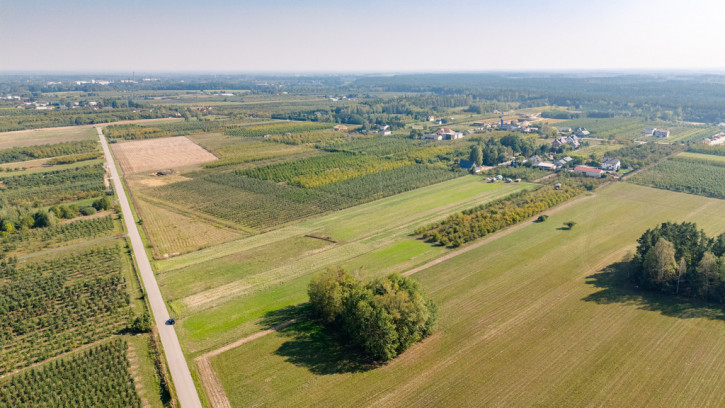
(540, 317)
(220, 292)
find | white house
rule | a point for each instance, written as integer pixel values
(611, 164)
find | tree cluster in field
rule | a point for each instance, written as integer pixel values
(97, 377)
(682, 260)
(50, 307)
(16, 154)
(493, 151)
(640, 155)
(693, 176)
(384, 316)
(477, 222)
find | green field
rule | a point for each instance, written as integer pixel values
(221, 291)
(556, 327)
(688, 174)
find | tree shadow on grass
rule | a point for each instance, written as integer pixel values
(321, 349)
(616, 287)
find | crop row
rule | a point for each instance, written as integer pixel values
(321, 170)
(692, 176)
(275, 129)
(54, 306)
(58, 234)
(54, 186)
(263, 204)
(97, 377)
(16, 154)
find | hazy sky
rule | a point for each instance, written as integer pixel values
(371, 35)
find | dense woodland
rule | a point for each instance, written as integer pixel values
(679, 259)
(384, 317)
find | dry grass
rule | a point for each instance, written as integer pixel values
(158, 154)
(172, 233)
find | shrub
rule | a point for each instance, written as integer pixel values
(87, 210)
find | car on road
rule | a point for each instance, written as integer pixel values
(170, 321)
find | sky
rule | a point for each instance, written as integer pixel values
(361, 36)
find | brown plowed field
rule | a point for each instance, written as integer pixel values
(159, 154)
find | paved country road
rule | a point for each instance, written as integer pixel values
(185, 389)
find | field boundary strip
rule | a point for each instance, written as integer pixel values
(497, 235)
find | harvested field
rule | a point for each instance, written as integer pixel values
(558, 327)
(157, 154)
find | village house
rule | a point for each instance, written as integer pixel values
(716, 139)
(661, 133)
(449, 134)
(546, 166)
(563, 161)
(589, 171)
(581, 132)
(648, 131)
(535, 160)
(431, 118)
(611, 164)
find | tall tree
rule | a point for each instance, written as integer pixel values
(660, 265)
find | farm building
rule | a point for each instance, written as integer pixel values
(339, 128)
(466, 164)
(661, 133)
(648, 131)
(546, 166)
(432, 136)
(581, 132)
(589, 171)
(611, 164)
(563, 161)
(449, 134)
(716, 139)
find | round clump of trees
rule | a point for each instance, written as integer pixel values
(383, 317)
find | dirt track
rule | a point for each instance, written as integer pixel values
(209, 379)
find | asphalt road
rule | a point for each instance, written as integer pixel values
(180, 375)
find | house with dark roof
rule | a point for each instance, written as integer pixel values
(611, 164)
